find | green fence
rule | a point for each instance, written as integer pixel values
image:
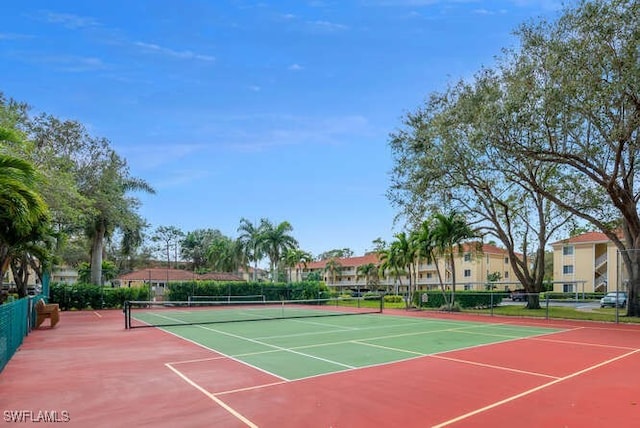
(16, 320)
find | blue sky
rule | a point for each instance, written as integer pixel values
(231, 109)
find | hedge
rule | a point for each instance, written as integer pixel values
(465, 299)
(85, 296)
(180, 291)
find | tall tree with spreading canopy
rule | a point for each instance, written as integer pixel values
(577, 82)
(195, 245)
(448, 155)
(109, 186)
(168, 239)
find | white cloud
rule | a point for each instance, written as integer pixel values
(14, 36)
(327, 26)
(70, 20)
(70, 63)
(174, 53)
(296, 67)
(149, 157)
(489, 12)
(255, 88)
(287, 130)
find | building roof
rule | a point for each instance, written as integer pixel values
(163, 274)
(344, 262)
(589, 237)
(373, 257)
(219, 276)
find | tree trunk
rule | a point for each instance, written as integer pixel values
(633, 287)
(97, 245)
(533, 301)
(20, 271)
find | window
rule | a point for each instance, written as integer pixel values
(567, 288)
(429, 275)
(420, 276)
(567, 269)
(506, 274)
(506, 260)
(467, 273)
(467, 257)
(567, 250)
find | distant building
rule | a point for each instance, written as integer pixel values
(474, 265)
(159, 278)
(586, 263)
(247, 275)
(64, 274)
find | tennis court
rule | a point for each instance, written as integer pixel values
(397, 368)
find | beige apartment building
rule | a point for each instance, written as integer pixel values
(586, 263)
(474, 264)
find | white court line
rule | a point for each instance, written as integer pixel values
(221, 403)
(569, 342)
(280, 348)
(224, 355)
(97, 314)
(532, 390)
(491, 366)
(377, 327)
(199, 360)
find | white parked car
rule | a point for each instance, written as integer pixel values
(610, 299)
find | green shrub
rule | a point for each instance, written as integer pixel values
(465, 299)
(393, 298)
(180, 291)
(86, 296)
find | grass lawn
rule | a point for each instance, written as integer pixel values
(562, 312)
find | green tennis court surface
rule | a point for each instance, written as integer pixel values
(303, 347)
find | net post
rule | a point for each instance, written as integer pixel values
(381, 303)
(127, 312)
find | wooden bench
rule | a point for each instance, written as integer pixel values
(44, 311)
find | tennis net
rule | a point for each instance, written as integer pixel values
(164, 314)
(195, 300)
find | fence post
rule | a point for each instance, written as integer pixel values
(547, 301)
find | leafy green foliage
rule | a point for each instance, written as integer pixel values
(180, 291)
(464, 299)
(86, 296)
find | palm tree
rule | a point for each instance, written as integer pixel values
(275, 240)
(370, 273)
(449, 232)
(405, 252)
(24, 216)
(293, 257)
(427, 250)
(332, 267)
(250, 243)
(390, 263)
